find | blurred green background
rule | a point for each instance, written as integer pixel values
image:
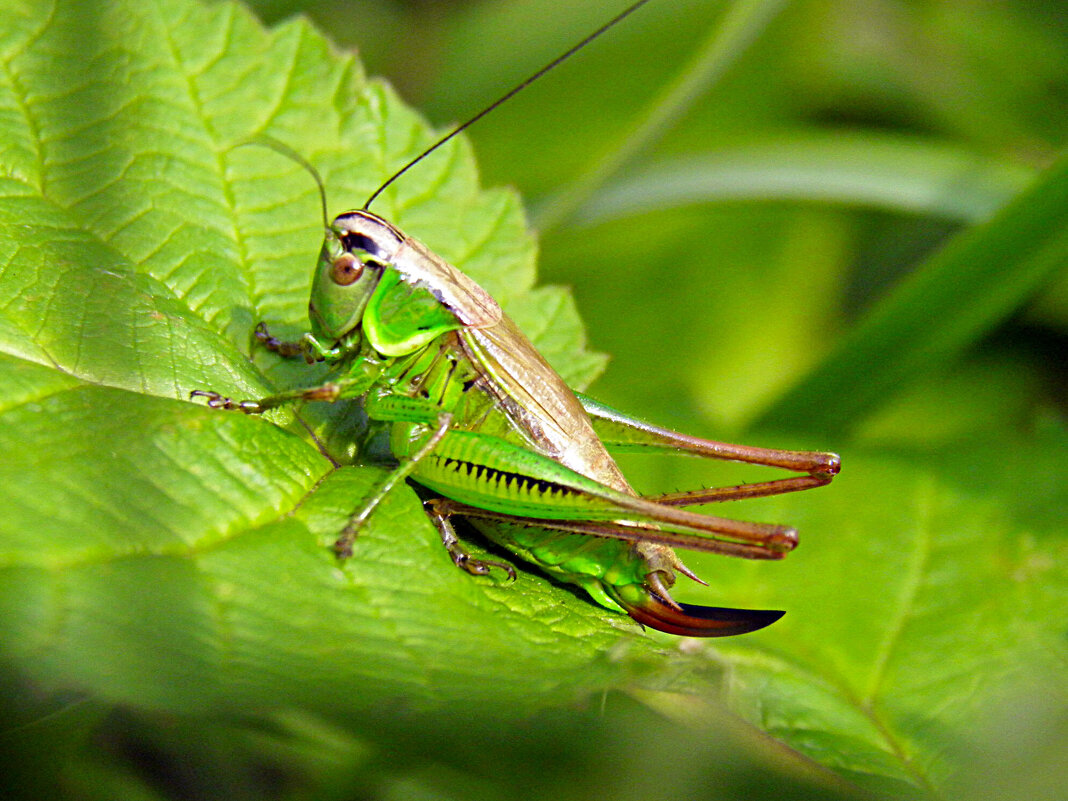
(826, 150)
(751, 202)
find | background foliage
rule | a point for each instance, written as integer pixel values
(811, 224)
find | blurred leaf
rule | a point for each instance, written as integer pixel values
(154, 552)
(945, 409)
(970, 285)
(723, 45)
(990, 74)
(894, 174)
(924, 596)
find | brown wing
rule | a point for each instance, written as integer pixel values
(534, 397)
(539, 402)
(471, 304)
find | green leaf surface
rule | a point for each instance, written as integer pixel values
(160, 554)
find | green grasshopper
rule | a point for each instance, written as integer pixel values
(488, 432)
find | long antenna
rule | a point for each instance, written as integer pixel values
(504, 98)
(282, 149)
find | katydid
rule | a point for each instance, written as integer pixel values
(487, 431)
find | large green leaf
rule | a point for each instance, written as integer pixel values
(166, 556)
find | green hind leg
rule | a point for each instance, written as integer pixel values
(360, 515)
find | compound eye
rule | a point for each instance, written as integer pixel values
(346, 270)
(352, 241)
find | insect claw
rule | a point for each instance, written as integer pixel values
(689, 573)
(655, 580)
(507, 569)
(217, 401)
(481, 567)
(272, 343)
(475, 567)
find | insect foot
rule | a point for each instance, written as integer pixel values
(343, 545)
(217, 401)
(287, 350)
(479, 567)
(440, 510)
